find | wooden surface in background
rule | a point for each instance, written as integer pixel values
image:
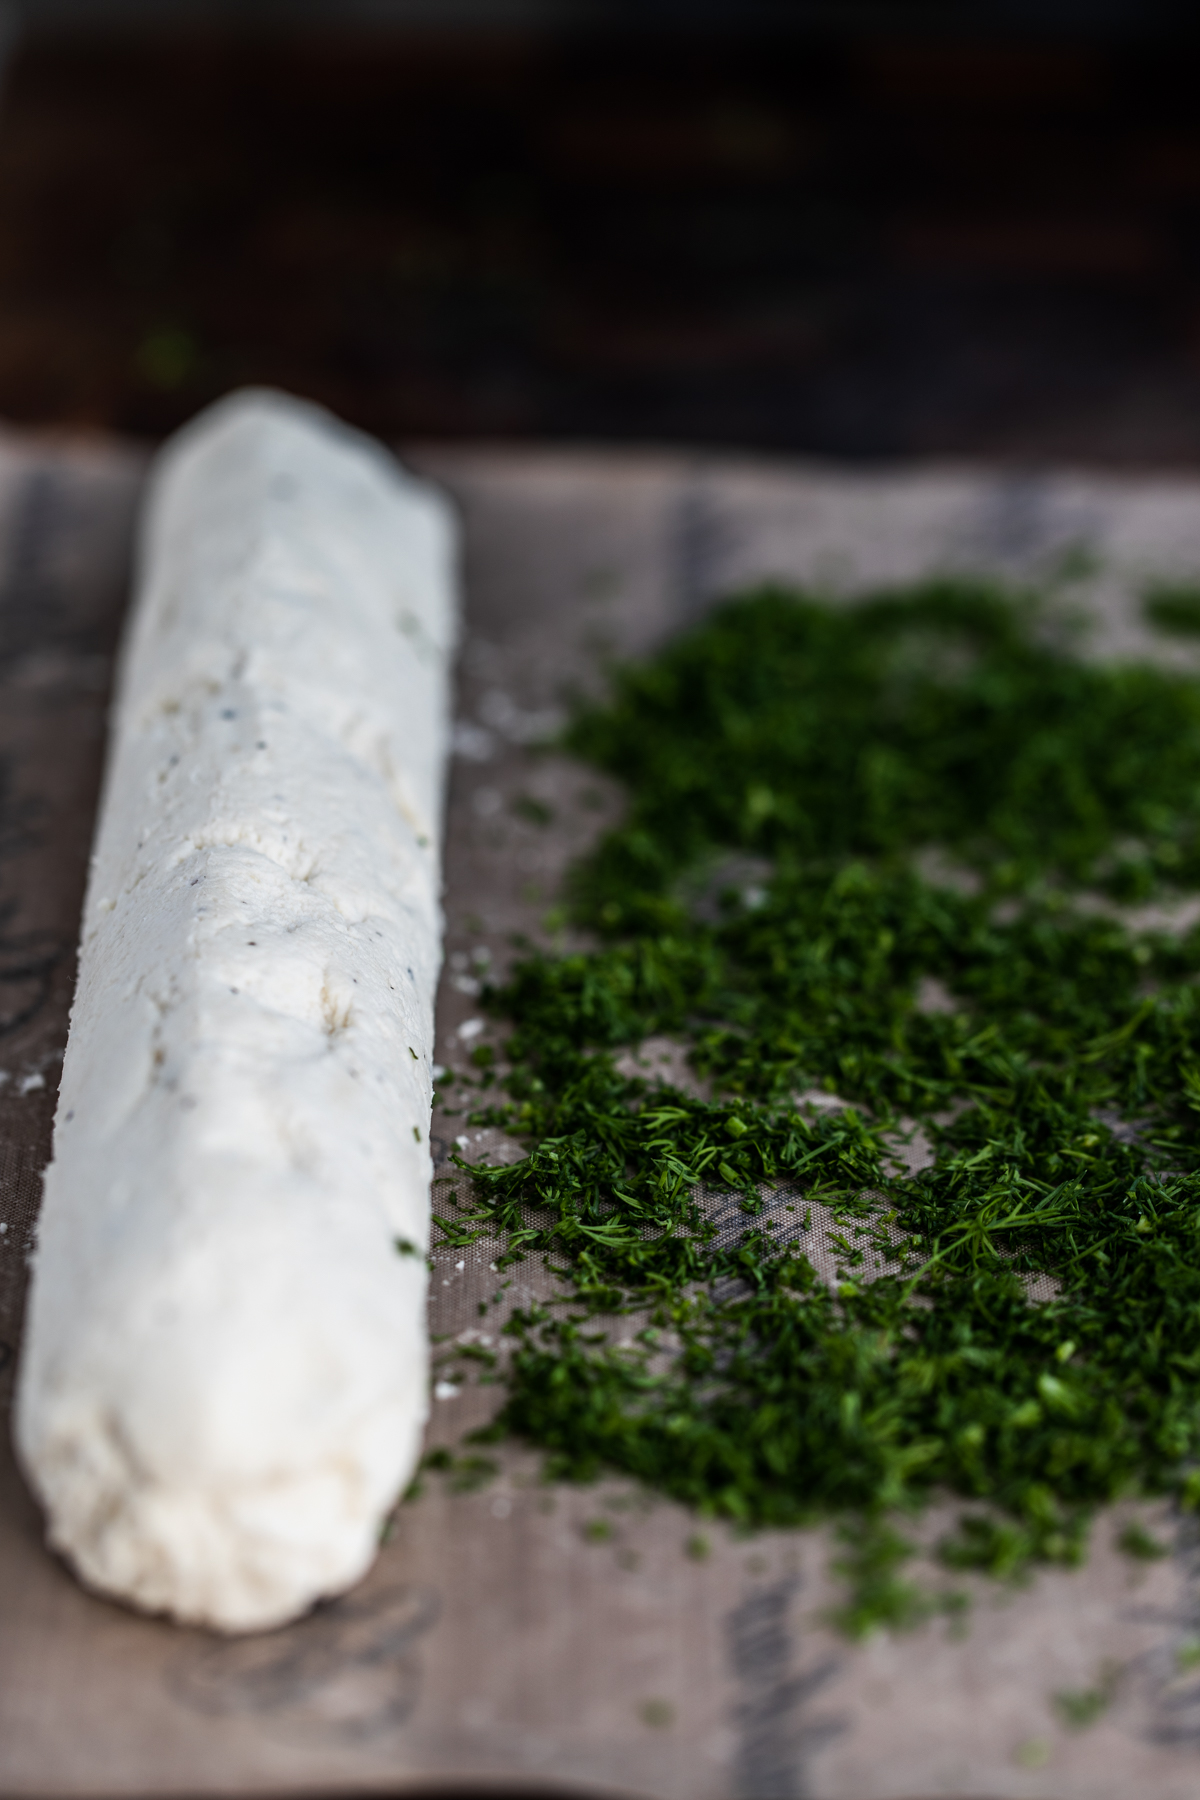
(845, 242)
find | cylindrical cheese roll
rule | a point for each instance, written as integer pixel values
(223, 1379)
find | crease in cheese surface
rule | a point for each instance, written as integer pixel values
(224, 1374)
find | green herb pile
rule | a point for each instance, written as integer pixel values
(834, 812)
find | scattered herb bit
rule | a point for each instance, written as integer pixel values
(406, 1247)
(464, 1474)
(597, 1531)
(870, 1562)
(534, 812)
(698, 1547)
(829, 808)
(1081, 1707)
(1136, 1541)
(1034, 1753)
(1187, 1656)
(1077, 562)
(1174, 609)
(458, 1234)
(658, 1714)
(167, 358)
(471, 1473)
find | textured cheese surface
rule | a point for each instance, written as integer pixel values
(223, 1380)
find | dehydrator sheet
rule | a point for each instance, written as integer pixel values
(499, 1644)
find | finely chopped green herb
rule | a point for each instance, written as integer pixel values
(874, 850)
(1175, 610)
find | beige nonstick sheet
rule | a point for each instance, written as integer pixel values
(503, 1643)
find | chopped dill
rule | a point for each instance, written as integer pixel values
(1081, 1707)
(834, 813)
(1175, 610)
(1136, 1541)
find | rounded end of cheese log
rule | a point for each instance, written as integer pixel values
(224, 1374)
(188, 1466)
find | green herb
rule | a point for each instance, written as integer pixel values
(1034, 1753)
(658, 1714)
(1136, 1541)
(946, 717)
(534, 812)
(872, 1557)
(1174, 609)
(833, 812)
(464, 1474)
(1081, 1707)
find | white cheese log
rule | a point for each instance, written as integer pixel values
(224, 1373)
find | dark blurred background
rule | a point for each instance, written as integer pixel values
(848, 230)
